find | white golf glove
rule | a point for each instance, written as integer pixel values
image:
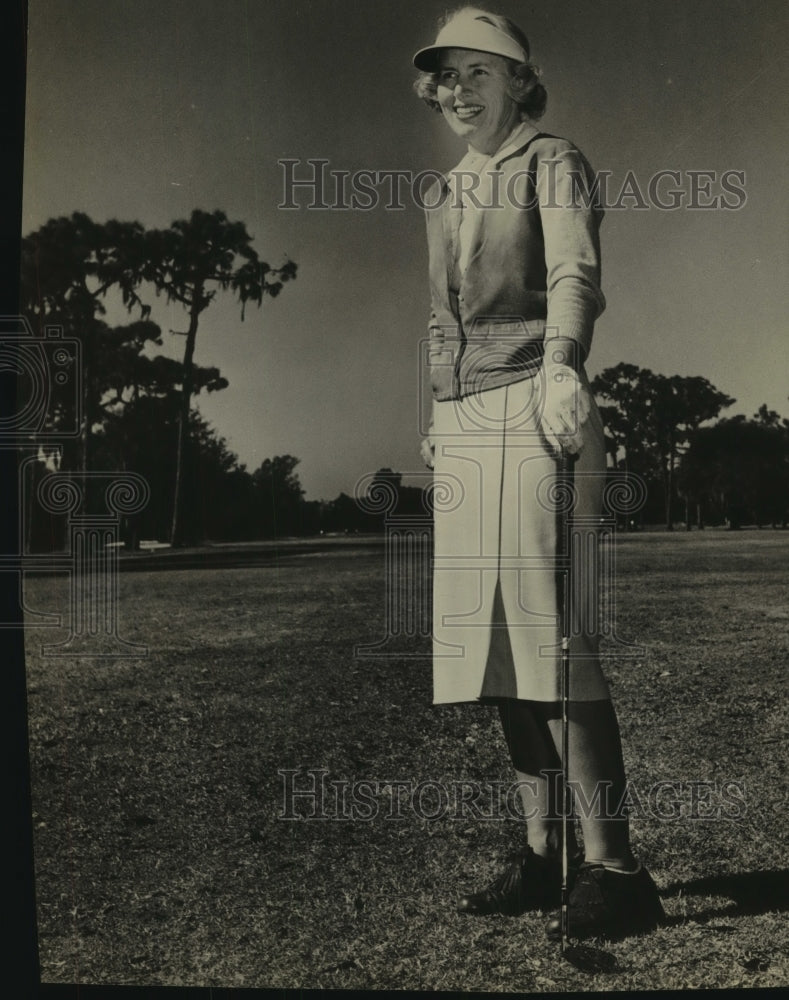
(566, 408)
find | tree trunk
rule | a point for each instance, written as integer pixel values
(183, 417)
(84, 434)
(668, 484)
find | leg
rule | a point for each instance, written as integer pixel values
(613, 893)
(597, 771)
(533, 880)
(533, 753)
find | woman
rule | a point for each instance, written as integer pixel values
(515, 291)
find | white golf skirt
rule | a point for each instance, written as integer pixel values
(496, 604)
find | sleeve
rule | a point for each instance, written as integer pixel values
(570, 219)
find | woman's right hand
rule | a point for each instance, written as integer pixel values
(428, 450)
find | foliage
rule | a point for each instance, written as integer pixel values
(652, 419)
(206, 250)
(738, 470)
(189, 262)
(129, 397)
(70, 263)
(68, 266)
(278, 496)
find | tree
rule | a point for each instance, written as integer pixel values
(738, 470)
(189, 263)
(278, 496)
(344, 514)
(681, 405)
(218, 491)
(651, 419)
(767, 417)
(68, 266)
(628, 391)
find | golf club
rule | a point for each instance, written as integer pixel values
(582, 957)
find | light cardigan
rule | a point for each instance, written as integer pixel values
(528, 267)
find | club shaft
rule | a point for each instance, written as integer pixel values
(564, 549)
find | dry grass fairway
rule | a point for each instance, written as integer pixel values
(162, 857)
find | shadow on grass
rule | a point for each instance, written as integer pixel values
(751, 893)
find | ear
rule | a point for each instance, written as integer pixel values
(520, 87)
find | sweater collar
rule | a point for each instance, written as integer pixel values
(476, 162)
(517, 139)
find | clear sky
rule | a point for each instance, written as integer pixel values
(147, 109)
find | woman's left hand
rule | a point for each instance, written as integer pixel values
(566, 408)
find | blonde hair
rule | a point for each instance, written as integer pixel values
(525, 87)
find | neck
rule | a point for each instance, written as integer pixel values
(495, 142)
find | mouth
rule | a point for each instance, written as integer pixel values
(465, 112)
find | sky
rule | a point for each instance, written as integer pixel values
(147, 109)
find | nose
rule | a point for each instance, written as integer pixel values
(461, 84)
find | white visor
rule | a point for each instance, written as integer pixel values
(470, 31)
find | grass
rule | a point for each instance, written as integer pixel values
(162, 856)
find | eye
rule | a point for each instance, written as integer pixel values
(447, 74)
(480, 72)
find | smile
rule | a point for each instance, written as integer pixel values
(466, 111)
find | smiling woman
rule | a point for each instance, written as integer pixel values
(474, 95)
(515, 292)
(509, 54)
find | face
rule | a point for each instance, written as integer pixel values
(474, 94)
